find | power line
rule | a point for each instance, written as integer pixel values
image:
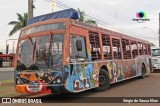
(95, 7)
(97, 19)
(100, 22)
(56, 5)
(65, 7)
(103, 23)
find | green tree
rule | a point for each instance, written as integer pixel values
(22, 22)
(82, 18)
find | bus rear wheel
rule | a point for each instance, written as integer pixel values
(104, 81)
(143, 71)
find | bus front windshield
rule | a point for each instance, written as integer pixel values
(41, 53)
(155, 52)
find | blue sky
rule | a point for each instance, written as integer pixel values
(114, 14)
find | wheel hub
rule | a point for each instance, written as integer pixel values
(102, 80)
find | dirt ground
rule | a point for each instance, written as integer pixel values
(7, 89)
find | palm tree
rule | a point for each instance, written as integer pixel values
(82, 18)
(92, 22)
(22, 22)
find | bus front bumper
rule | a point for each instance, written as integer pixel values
(156, 66)
(40, 89)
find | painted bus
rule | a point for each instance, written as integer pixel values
(60, 55)
(156, 58)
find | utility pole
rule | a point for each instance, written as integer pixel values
(30, 8)
(13, 46)
(159, 30)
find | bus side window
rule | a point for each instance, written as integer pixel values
(74, 53)
(82, 53)
(145, 49)
(149, 49)
(126, 49)
(116, 48)
(134, 48)
(94, 46)
(106, 47)
(140, 47)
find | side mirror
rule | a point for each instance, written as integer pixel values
(79, 45)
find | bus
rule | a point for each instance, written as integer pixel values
(156, 58)
(56, 53)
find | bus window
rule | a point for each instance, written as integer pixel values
(49, 53)
(140, 47)
(145, 49)
(26, 54)
(42, 52)
(116, 48)
(126, 49)
(106, 47)
(74, 53)
(56, 51)
(149, 49)
(42, 47)
(156, 52)
(94, 46)
(134, 48)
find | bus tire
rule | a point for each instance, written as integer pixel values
(104, 81)
(143, 71)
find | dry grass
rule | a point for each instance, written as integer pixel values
(7, 89)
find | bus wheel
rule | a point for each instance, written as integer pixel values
(143, 71)
(104, 81)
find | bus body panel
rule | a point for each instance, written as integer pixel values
(156, 58)
(79, 76)
(84, 76)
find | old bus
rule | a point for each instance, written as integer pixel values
(57, 54)
(156, 58)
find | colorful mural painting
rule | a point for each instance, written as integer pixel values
(79, 77)
(82, 77)
(48, 61)
(36, 82)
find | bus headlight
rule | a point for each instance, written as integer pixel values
(58, 80)
(18, 82)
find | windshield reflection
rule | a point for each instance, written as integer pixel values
(41, 53)
(26, 49)
(155, 52)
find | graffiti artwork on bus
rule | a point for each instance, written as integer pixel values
(120, 70)
(36, 82)
(79, 77)
(82, 77)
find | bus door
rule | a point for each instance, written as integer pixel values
(81, 69)
(118, 72)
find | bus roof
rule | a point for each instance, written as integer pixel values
(68, 13)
